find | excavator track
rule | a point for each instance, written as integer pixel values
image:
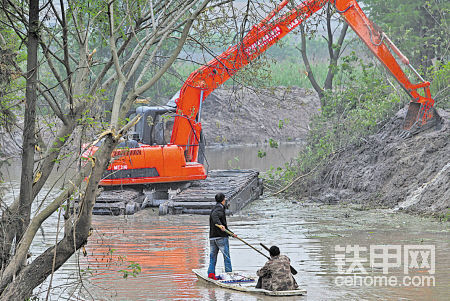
(240, 187)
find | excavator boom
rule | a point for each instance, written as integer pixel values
(207, 78)
(421, 106)
(178, 161)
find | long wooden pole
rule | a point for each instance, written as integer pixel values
(234, 235)
(293, 271)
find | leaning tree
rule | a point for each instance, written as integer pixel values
(83, 57)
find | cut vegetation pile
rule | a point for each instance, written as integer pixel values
(385, 170)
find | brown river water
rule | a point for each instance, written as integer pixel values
(164, 250)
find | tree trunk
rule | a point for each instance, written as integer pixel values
(26, 181)
(36, 272)
(309, 71)
(334, 53)
(14, 221)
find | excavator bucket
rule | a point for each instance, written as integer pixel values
(412, 116)
(419, 117)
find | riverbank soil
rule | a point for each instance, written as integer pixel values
(253, 116)
(384, 170)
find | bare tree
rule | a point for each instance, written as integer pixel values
(70, 35)
(334, 51)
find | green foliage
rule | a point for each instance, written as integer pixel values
(445, 217)
(273, 143)
(288, 50)
(261, 153)
(280, 65)
(350, 113)
(440, 88)
(419, 28)
(356, 109)
(11, 84)
(280, 174)
(287, 73)
(87, 271)
(234, 163)
(133, 269)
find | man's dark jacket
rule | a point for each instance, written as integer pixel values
(217, 216)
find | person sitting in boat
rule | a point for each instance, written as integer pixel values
(276, 275)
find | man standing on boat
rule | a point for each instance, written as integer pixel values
(276, 274)
(218, 238)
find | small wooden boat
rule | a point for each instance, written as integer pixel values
(240, 282)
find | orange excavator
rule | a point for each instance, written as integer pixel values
(150, 158)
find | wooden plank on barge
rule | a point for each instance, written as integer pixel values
(239, 186)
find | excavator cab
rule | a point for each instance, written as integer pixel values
(155, 126)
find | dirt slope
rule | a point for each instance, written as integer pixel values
(410, 174)
(385, 170)
(246, 116)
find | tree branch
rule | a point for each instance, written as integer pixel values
(46, 51)
(309, 71)
(334, 59)
(54, 105)
(121, 77)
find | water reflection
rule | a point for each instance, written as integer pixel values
(169, 247)
(164, 248)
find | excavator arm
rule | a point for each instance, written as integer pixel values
(187, 126)
(421, 107)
